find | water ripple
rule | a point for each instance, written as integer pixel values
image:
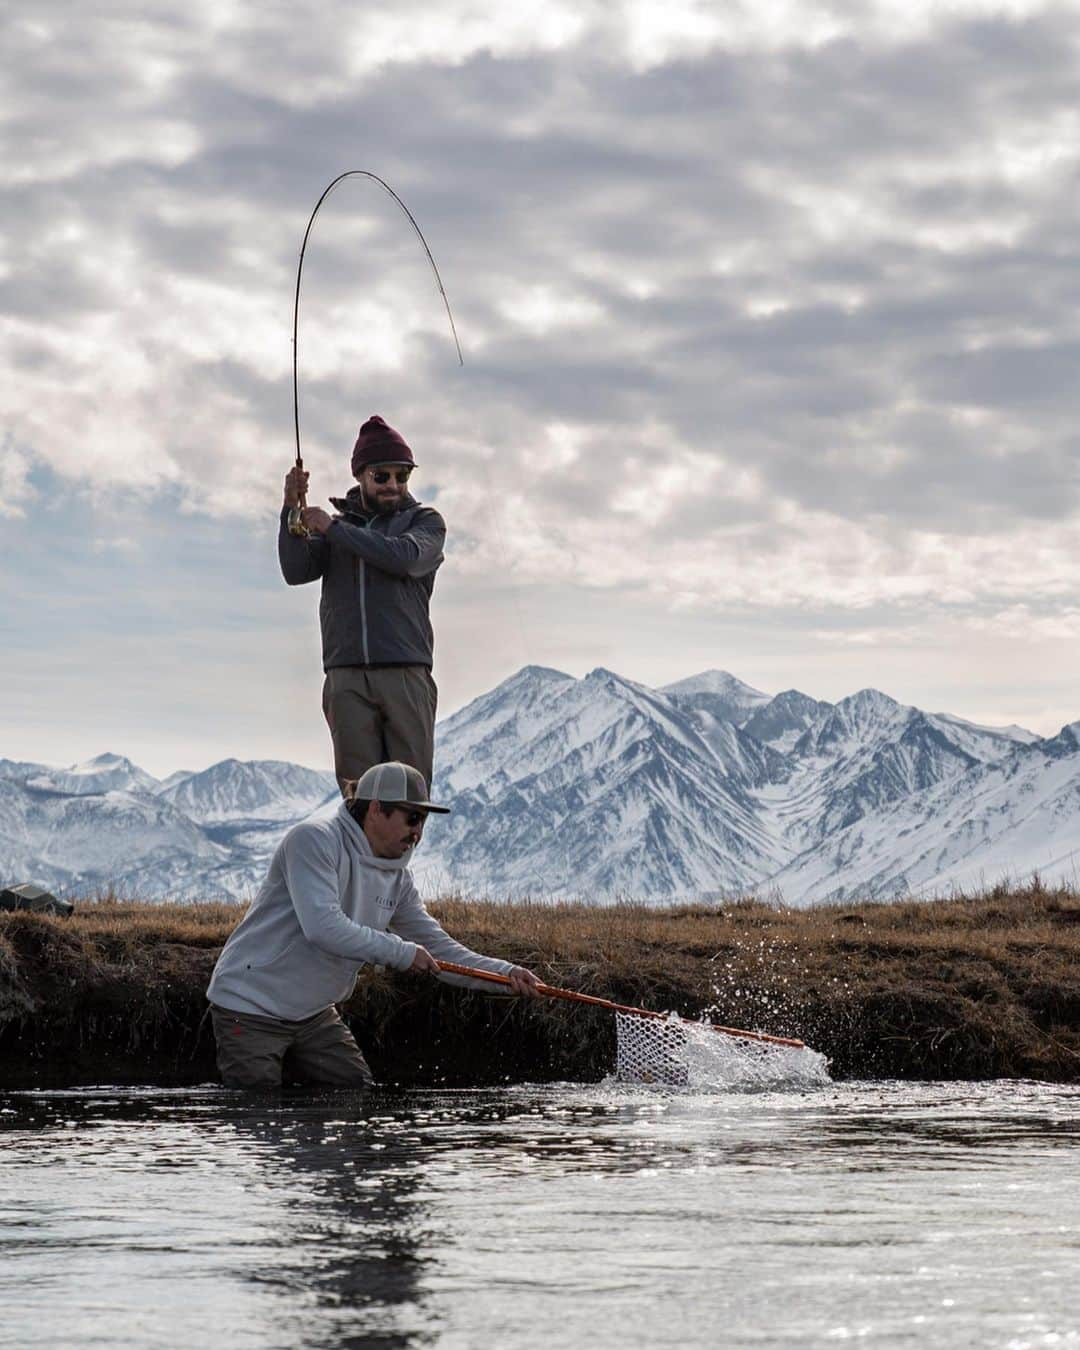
(607, 1215)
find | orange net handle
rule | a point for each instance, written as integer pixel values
(552, 991)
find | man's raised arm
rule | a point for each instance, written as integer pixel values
(301, 560)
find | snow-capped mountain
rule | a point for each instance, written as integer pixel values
(593, 786)
(83, 842)
(1003, 818)
(263, 789)
(105, 773)
(782, 721)
(717, 693)
(20, 769)
(70, 829)
(601, 787)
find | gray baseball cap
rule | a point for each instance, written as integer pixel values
(395, 784)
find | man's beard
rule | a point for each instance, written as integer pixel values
(383, 506)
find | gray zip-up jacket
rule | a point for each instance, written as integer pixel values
(327, 907)
(378, 573)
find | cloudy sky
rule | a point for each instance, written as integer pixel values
(770, 322)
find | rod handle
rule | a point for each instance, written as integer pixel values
(296, 513)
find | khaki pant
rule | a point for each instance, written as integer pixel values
(251, 1050)
(379, 715)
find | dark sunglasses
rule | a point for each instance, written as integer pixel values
(412, 818)
(382, 476)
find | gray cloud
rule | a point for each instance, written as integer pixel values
(832, 283)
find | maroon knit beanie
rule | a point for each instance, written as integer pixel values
(378, 443)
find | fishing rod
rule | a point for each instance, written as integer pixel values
(552, 991)
(296, 518)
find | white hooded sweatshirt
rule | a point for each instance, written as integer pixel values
(327, 907)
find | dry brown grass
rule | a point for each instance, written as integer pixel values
(969, 987)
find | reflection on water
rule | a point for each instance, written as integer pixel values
(894, 1214)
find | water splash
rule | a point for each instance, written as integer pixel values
(726, 1064)
(684, 1055)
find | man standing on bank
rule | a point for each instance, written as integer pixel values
(377, 560)
(338, 895)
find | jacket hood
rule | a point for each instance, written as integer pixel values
(358, 840)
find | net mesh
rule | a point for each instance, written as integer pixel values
(668, 1052)
(651, 1050)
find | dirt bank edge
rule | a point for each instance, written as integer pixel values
(974, 987)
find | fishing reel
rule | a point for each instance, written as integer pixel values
(296, 523)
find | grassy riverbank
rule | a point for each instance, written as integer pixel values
(981, 987)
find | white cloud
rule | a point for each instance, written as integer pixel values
(541, 310)
(453, 32)
(659, 31)
(15, 488)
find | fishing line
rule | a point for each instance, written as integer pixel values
(296, 524)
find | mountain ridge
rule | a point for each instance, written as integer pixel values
(601, 786)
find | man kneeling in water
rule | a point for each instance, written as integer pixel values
(338, 896)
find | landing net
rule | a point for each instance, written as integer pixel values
(651, 1051)
(674, 1053)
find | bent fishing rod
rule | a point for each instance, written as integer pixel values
(552, 991)
(296, 519)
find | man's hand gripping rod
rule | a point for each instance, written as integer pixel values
(296, 513)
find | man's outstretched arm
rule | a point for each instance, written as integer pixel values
(413, 923)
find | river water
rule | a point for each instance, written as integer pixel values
(801, 1213)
